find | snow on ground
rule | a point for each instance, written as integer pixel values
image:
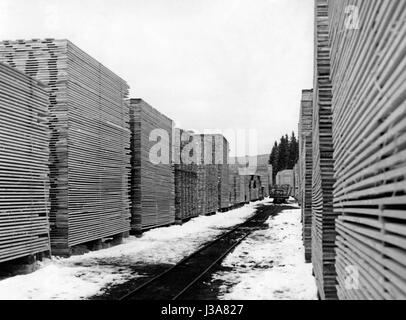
(269, 264)
(81, 277)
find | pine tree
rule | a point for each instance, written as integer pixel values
(273, 153)
(285, 154)
(293, 152)
(275, 159)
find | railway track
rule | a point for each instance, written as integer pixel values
(176, 282)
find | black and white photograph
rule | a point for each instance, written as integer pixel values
(220, 152)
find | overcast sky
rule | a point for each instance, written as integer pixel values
(207, 64)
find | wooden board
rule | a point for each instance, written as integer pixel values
(24, 159)
(207, 174)
(185, 170)
(264, 172)
(285, 178)
(323, 217)
(255, 189)
(255, 177)
(89, 139)
(306, 168)
(152, 183)
(369, 130)
(238, 186)
(221, 149)
(213, 172)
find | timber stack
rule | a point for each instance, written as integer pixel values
(323, 217)
(24, 158)
(89, 140)
(245, 187)
(207, 175)
(185, 170)
(255, 176)
(238, 184)
(296, 181)
(285, 178)
(152, 183)
(255, 192)
(264, 171)
(233, 183)
(221, 152)
(369, 130)
(306, 168)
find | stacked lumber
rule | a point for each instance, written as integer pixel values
(185, 177)
(306, 168)
(254, 185)
(201, 190)
(24, 172)
(258, 171)
(369, 121)
(201, 175)
(270, 177)
(264, 171)
(285, 178)
(323, 217)
(89, 140)
(239, 185)
(246, 189)
(263, 181)
(296, 181)
(244, 184)
(241, 190)
(234, 186)
(152, 189)
(212, 197)
(207, 175)
(221, 149)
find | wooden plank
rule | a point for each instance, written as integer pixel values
(306, 168)
(323, 222)
(152, 183)
(369, 133)
(89, 140)
(24, 159)
(185, 170)
(213, 172)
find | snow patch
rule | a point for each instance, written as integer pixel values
(81, 277)
(269, 264)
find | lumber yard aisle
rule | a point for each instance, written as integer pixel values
(250, 272)
(95, 273)
(101, 182)
(358, 246)
(83, 167)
